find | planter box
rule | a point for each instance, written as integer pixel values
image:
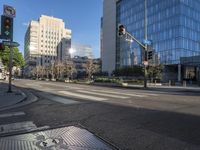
(124, 84)
(154, 84)
(106, 84)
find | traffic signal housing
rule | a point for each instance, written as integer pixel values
(2, 47)
(121, 30)
(150, 55)
(6, 28)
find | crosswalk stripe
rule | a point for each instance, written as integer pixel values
(35, 85)
(12, 114)
(120, 92)
(58, 98)
(71, 87)
(18, 126)
(83, 96)
(102, 94)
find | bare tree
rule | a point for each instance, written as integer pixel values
(91, 68)
(59, 68)
(47, 71)
(34, 72)
(70, 69)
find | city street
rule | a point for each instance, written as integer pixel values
(112, 75)
(134, 119)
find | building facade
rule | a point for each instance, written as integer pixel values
(172, 27)
(82, 50)
(46, 41)
(83, 65)
(191, 68)
(109, 28)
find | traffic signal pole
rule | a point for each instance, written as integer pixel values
(122, 31)
(7, 36)
(10, 69)
(145, 35)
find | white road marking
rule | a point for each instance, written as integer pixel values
(83, 96)
(12, 114)
(120, 92)
(76, 88)
(34, 85)
(18, 126)
(58, 98)
(103, 94)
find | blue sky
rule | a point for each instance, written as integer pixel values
(81, 16)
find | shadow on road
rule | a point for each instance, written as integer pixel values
(126, 127)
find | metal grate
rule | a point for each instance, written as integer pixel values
(67, 138)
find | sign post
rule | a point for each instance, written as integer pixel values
(7, 34)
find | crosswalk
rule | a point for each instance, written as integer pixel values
(12, 127)
(127, 94)
(25, 135)
(72, 92)
(101, 95)
(82, 96)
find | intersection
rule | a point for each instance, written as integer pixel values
(126, 118)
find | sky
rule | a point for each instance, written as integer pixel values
(81, 16)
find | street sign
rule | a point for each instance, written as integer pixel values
(12, 44)
(9, 11)
(147, 42)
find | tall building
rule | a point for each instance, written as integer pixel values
(82, 50)
(109, 29)
(173, 29)
(46, 41)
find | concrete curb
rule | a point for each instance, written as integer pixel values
(27, 99)
(152, 88)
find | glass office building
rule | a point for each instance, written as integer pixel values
(173, 29)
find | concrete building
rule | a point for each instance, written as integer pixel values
(108, 51)
(81, 64)
(190, 68)
(82, 50)
(46, 41)
(172, 27)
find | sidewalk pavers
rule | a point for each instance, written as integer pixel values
(9, 99)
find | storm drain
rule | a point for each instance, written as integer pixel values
(67, 138)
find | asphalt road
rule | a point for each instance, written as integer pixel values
(134, 119)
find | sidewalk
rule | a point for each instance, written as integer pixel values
(168, 88)
(9, 99)
(151, 87)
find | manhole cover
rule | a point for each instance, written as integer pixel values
(67, 138)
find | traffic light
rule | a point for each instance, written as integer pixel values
(145, 56)
(2, 47)
(150, 55)
(121, 30)
(6, 27)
